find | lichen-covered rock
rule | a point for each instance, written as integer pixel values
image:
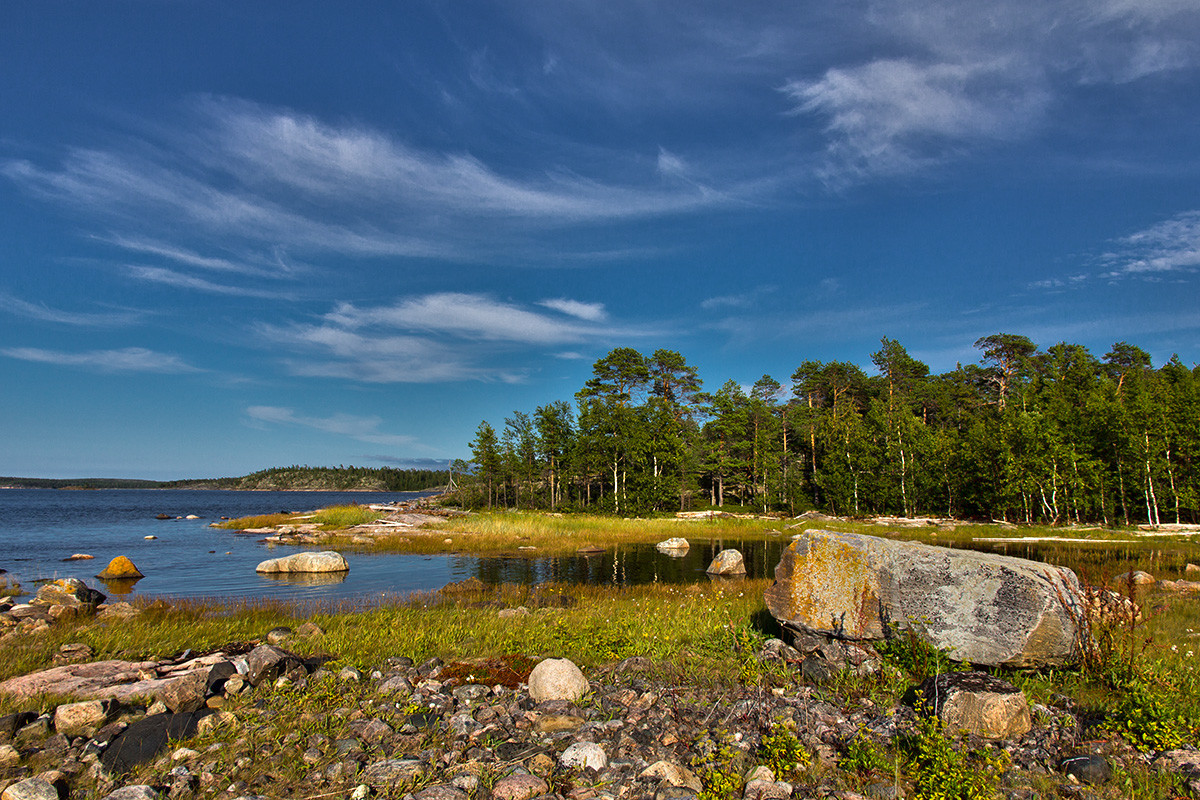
(120, 568)
(324, 561)
(69, 592)
(557, 679)
(983, 608)
(727, 562)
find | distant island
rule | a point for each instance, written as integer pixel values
(279, 479)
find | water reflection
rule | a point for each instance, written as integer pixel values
(119, 586)
(307, 579)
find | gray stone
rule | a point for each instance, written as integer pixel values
(584, 755)
(983, 608)
(136, 792)
(185, 693)
(388, 773)
(1088, 768)
(676, 546)
(671, 774)
(9, 756)
(519, 787)
(440, 792)
(31, 789)
(323, 561)
(557, 679)
(727, 562)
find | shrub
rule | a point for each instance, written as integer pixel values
(942, 771)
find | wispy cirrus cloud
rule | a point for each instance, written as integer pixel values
(44, 313)
(478, 316)
(592, 312)
(251, 180)
(183, 281)
(128, 359)
(363, 429)
(184, 256)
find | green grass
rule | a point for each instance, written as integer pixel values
(260, 521)
(339, 517)
(330, 519)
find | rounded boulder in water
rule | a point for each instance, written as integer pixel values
(120, 567)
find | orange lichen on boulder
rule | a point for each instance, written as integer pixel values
(120, 567)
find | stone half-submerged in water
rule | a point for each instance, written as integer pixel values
(981, 608)
(324, 561)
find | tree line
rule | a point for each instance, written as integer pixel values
(1056, 436)
(339, 478)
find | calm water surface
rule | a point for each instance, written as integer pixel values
(39, 528)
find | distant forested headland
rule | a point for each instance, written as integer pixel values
(294, 478)
(1057, 437)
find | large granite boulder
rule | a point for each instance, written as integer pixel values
(982, 608)
(324, 561)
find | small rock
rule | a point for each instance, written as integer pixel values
(672, 774)
(83, 719)
(557, 679)
(1136, 578)
(308, 630)
(978, 703)
(135, 792)
(213, 721)
(279, 636)
(519, 787)
(31, 789)
(675, 546)
(9, 756)
(74, 653)
(584, 755)
(1087, 768)
(388, 773)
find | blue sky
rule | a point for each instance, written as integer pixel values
(239, 235)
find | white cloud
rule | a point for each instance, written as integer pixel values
(592, 312)
(1171, 246)
(182, 281)
(438, 337)
(44, 313)
(895, 116)
(129, 359)
(187, 257)
(476, 316)
(363, 429)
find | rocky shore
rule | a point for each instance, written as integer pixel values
(821, 715)
(259, 720)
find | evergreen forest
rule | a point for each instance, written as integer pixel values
(1054, 437)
